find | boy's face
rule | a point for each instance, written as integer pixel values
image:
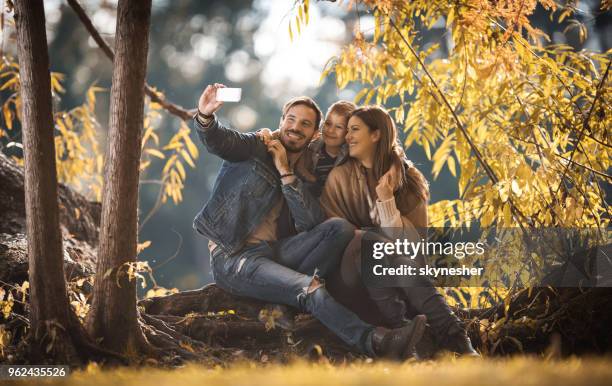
(334, 130)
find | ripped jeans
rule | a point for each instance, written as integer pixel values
(288, 272)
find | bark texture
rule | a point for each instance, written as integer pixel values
(114, 298)
(51, 317)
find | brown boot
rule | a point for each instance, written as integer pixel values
(399, 343)
(457, 342)
(445, 325)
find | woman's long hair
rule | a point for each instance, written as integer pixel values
(389, 152)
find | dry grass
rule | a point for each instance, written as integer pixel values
(515, 372)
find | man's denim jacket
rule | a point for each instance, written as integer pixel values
(247, 187)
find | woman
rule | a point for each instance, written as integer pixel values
(378, 187)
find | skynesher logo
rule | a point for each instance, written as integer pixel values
(408, 270)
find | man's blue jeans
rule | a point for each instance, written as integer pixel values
(287, 272)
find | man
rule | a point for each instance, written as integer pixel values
(253, 217)
(326, 151)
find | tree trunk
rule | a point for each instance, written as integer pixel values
(51, 317)
(113, 316)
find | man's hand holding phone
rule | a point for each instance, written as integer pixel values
(208, 103)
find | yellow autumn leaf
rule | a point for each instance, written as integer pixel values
(187, 158)
(181, 169)
(155, 153)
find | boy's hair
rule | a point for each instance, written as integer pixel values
(342, 107)
(308, 102)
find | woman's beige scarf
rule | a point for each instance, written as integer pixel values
(346, 195)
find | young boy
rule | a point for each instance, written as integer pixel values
(332, 149)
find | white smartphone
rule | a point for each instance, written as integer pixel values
(229, 94)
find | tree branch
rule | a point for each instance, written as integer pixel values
(172, 108)
(459, 124)
(585, 124)
(601, 174)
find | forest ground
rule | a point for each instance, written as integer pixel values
(520, 370)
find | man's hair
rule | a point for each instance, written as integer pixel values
(308, 102)
(342, 107)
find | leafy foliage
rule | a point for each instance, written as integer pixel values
(523, 126)
(78, 155)
(302, 17)
(180, 148)
(79, 163)
(9, 296)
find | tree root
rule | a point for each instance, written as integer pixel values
(162, 343)
(69, 345)
(163, 327)
(209, 298)
(211, 326)
(529, 322)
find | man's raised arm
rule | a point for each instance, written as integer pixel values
(218, 139)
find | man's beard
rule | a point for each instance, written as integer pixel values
(291, 148)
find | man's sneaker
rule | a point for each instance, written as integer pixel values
(399, 343)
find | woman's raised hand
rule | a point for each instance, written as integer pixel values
(387, 184)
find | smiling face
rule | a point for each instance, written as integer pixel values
(334, 130)
(361, 140)
(297, 127)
